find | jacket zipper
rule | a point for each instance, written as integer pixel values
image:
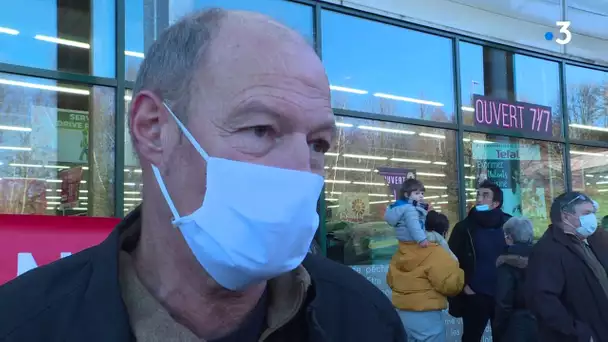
(473, 249)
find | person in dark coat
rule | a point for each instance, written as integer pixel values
(477, 241)
(513, 322)
(566, 284)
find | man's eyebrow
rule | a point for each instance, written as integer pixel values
(255, 106)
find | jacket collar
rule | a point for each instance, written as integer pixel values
(569, 241)
(287, 293)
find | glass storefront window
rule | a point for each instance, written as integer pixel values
(589, 166)
(64, 35)
(133, 182)
(529, 172)
(134, 37)
(384, 69)
(510, 78)
(368, 160)
(587, 94)
(298, 17)
(49, 133)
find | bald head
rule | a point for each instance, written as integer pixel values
(183, 50)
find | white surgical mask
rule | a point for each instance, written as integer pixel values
(588, 225)
(241, 240)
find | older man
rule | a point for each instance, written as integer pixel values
(231, 113)
(566, 284)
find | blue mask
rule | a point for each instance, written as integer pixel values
(242, 240)
(482, 207)
(588, 225)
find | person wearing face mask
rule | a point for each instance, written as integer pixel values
(478, 241)
(567, 285)
(231, 117)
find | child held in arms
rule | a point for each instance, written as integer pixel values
(408, 214)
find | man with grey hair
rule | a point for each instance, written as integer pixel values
(513, 322)
(567, 282)
(231, 118)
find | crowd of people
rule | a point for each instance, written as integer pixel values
(492, 271)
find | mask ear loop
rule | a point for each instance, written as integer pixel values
(156, 171)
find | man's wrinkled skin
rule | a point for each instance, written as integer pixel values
(261, 96)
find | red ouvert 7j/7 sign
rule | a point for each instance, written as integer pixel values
(28, 241)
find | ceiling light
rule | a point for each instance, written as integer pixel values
(15, 148)
(483, 142)
(333, 206)
(348, 90)
(378, 202)
(408, 99)
(362, 156)
(430, 174)
(436, 187)
(339, 168)
(132, 199)
(440, 163)
(15, 128)
(429, 135)
(469, 177)
(591, 128)
(45, 87)
(415, 161)
(467, 109)
(24, 165)
(128, 98)
(135, 54)
(369, 183)
(387, 130)
(333, 154)
(337, 181)
(467, 165)
(10, 31)
(342, 124)
(587, 153)
(332, 199)
(62, 41)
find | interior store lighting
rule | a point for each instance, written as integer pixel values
(339, 168)
(334, 192)
(467, 109)
(414, 161)
(408, 99)
(440, 163)
(128, 97)
(362, 156)
(15, 128)
(469, 177)
(45, 87)
(602, 182)
(332, 154)
(430, 174)
(337, 181)
(369, 183)
(135, 54)
(378, 202)
(62, 41)
(603, 190)
(436, 187)
(591, 128)
(387, 130)
(429, 135)
(342, 124)
(348, 90)
(583, 153)
(133, 170)
(132, 199)
(333, 206)
(15, 148)
(10, 31)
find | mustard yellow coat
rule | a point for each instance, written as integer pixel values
(423, 278)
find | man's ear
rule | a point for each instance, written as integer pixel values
(148, 115)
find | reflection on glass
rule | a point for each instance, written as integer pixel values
(75, 36)
(589, 167)
(133, 183)
(356, 190)
(298, 17)
(379, 68)
(529, 172)
(587, 94)
(49, 132)
(509, 77)
(134, 37)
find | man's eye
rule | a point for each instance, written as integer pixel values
(320, 146)
(262, 131)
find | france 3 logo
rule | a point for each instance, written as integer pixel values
(564, 30)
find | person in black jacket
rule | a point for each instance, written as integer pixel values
(566, 284)
(231, 119)
(513, 322)
(477, 241)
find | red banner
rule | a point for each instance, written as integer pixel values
(28, 241)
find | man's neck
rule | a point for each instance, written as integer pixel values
(171, 273)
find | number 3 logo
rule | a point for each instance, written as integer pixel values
(564, 29)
